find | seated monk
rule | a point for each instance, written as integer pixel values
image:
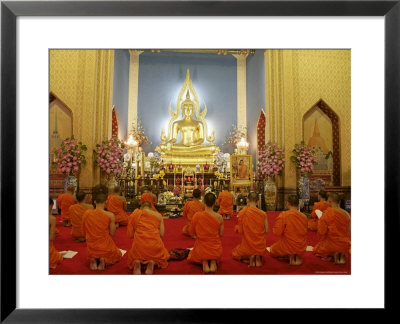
(117, 205)
(291, 226)
(252, 225)
(320, 205)
(98, 226)
(146, 227)
(208, 227)
(334, 227)
(149, 197)
(65, 201)
(190, 208)
(76, 212)
(225, 203)
(55, 257)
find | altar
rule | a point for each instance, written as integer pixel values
(186, 157)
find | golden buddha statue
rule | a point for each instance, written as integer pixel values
(191, 148)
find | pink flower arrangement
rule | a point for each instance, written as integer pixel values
(110, 155)
(304, 157)
(271, 159)
(69, 156)
(177, 190)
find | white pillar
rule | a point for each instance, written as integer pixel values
(241, 91)
(133, 88)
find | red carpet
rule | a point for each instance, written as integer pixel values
(175, 239)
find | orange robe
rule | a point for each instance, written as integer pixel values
(332, 226)
(116, 206)
(191, 207)
(313, 222)
(147, 197)
(76, 212)
(251, 225)
(208, 244)
(65, 201)
(55, 256)
(291, 226)
(99, 243)
(147, 244)
(225, 203)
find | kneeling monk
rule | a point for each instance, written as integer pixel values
(65, 201)
(76, 212)
(225, 203)
(146, 227)
(98, 226)
(148, 196)
(192, 207)
(252, 225)
(117, 205)
(334, 227)
(291, 226)
(55, 257)
(321, 205)
(208, 227)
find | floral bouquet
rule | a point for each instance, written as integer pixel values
(304, 157)
(177, 190)
(271, 160)
(235, 135)
(110, 155)
(138, 133)
(168, 195)
(155, 160)
(69, 156)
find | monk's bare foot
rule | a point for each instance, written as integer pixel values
(259, 261)
(116, 225)
(136, 268)
(150, 268)
(206, 267)
(102, 264)
(67, 223)
(295, 259)
(340, 258)
(252, 261)
(93, 264)
(213, 266)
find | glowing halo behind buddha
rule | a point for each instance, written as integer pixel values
(193, 133)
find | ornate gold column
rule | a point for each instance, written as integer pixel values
(241, 90)
(279, 101)
(133, 88)
(274, 92)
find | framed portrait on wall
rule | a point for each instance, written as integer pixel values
(241, 170)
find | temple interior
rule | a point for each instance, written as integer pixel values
(269, 130)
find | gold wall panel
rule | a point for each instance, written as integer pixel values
(83, 80)
(297, 80)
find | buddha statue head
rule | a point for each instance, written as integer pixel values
(187, 107)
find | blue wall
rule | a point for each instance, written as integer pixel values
(161, 76)
(120, 90)
(255, 98)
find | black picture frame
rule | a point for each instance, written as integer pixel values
(10, 10)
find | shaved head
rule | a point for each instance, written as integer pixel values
(253, 196)
(293, 200)
(334, 197)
